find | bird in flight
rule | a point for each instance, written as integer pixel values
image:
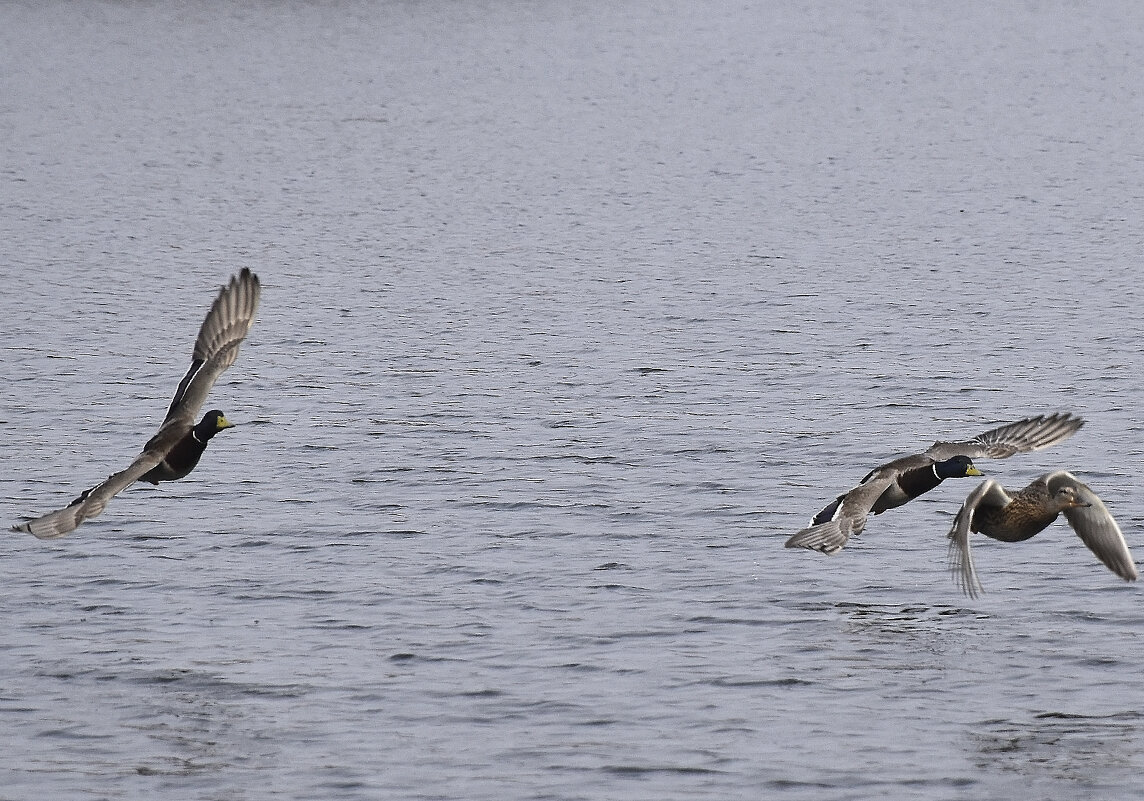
(1015, 517)
(176, 448)
(898, 482)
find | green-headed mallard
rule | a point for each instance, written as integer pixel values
(991, 510)
(175, 450)
(900, 481)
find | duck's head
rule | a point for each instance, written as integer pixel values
(213, 422)
(957, 467)
(1068, 498)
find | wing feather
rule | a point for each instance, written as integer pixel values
(960, 554)
(91, 503)
(216, 347)
(1029, 434)
(1096, 527)
(849, 518)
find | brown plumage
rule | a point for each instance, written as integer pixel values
(175, 449)
(996, 513)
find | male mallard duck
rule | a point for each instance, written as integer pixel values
(175, 450)
(900, 481)
(991, 510)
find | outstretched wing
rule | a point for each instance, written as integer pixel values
(988, 492)
(1030, 434)
(92, 502)
(1095, 526)
(850, 513)
(216, 346)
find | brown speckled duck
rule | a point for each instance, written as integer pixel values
(176, 448)
(900, 481)
(994, 512)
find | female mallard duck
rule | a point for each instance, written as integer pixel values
(175, 450)
(995, 513)
(900, 481)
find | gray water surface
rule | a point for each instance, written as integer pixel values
(572, 314)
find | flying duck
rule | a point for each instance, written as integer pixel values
(175, 450)
(900, 481)
(996, 513)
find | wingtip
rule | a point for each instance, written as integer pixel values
(966, 580)
(50, 533)
(1031, 433)
(1059, 425)
(247, 276)
(27, 528)
(1126, 570)
(826, 538)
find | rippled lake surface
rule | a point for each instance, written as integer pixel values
(572, 314)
